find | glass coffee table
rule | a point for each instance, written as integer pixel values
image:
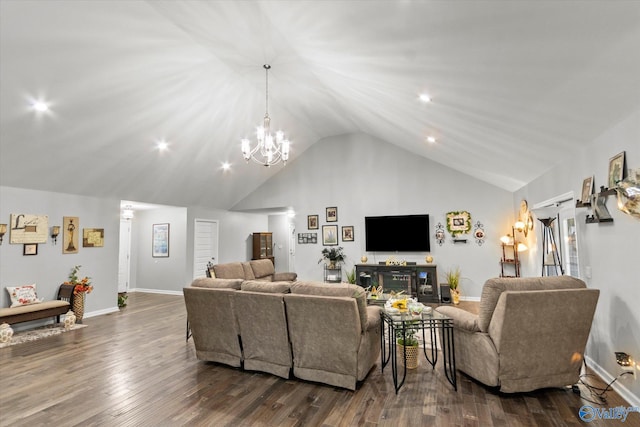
(397, 324)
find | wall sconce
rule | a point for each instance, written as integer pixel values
(55, 231)
(3, 230)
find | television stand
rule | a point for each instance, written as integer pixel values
(418, 281)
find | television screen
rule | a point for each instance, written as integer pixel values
(400, 233)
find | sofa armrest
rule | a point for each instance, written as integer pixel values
(373, 317)
(285, 277)
(461, 319)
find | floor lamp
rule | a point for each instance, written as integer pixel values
(550, 256)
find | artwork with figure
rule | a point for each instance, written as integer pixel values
(70, 238)
(26, 228)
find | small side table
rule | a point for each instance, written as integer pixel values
(398, 323)
(332, 275)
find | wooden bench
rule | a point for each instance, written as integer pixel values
(26, 313)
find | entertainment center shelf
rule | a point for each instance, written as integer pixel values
(417, 280)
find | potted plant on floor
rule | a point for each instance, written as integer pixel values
(81, 287)
(407, 346)
(452, 277)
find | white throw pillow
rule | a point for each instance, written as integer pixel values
(23, 295)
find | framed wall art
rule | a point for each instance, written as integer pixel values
(587, 189)
(616, 169)
(307, 238)
(93, 237)
(347, 233)
(160, 241)
(332, 214)
(70, 232)
(330, 235)
(30, 249)
(312, 222)
(27, 228)
(458, 223)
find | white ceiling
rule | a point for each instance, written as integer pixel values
(517, 87)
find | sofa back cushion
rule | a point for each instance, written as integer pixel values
(262, 269)
(206, 282)
(493, 288)
(232, 270)
(266, 287)
(336, 290)
(248, 271)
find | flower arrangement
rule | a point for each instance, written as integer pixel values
(79, 286)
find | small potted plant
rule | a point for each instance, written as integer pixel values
(452, 277)
(351, 276)
(407, 346)
(332, 256)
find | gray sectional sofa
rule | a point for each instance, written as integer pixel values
(319, 332)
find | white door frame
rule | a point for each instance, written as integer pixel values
(124, 275)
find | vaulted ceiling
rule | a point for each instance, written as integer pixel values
(517, 87)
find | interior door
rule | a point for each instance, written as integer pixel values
(124, 257)
(205, 242)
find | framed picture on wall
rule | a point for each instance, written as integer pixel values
(330, 235)
(587, 189)
(30, 249)
(347, 233)
(312, 222)
(332, 214)
(616, 169)
(93, 237)
(160, 241)
(70, 234)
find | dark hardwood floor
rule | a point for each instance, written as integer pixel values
(134, 368)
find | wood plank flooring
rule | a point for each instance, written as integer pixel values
(134, 368)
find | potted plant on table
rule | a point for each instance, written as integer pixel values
(407, 345)
(332, 256)
(452, 277)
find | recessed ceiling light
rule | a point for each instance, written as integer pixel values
(431, 139)
(424, 97)
(40, 106)
(226, 166)
(162, 145)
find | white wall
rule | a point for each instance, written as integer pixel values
(164, 274)
(611, 250)
(364, 176)
(51, 267)
(235, 230)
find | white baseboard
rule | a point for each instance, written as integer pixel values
(101, 312)
(156, 291)
(476, 299)
(619, 388)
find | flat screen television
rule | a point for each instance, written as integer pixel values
(398, 233)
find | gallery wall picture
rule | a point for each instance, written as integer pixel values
(70, 234)
(27, 228)
(92, 237)
(330, 235)
(332, 214)
(30, 249)
(160, 241)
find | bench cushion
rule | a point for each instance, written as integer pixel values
(32, 308)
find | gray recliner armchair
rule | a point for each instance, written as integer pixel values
(530, 333)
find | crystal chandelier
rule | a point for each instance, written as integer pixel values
(270, 149)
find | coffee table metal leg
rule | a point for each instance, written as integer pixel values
(448, 355)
